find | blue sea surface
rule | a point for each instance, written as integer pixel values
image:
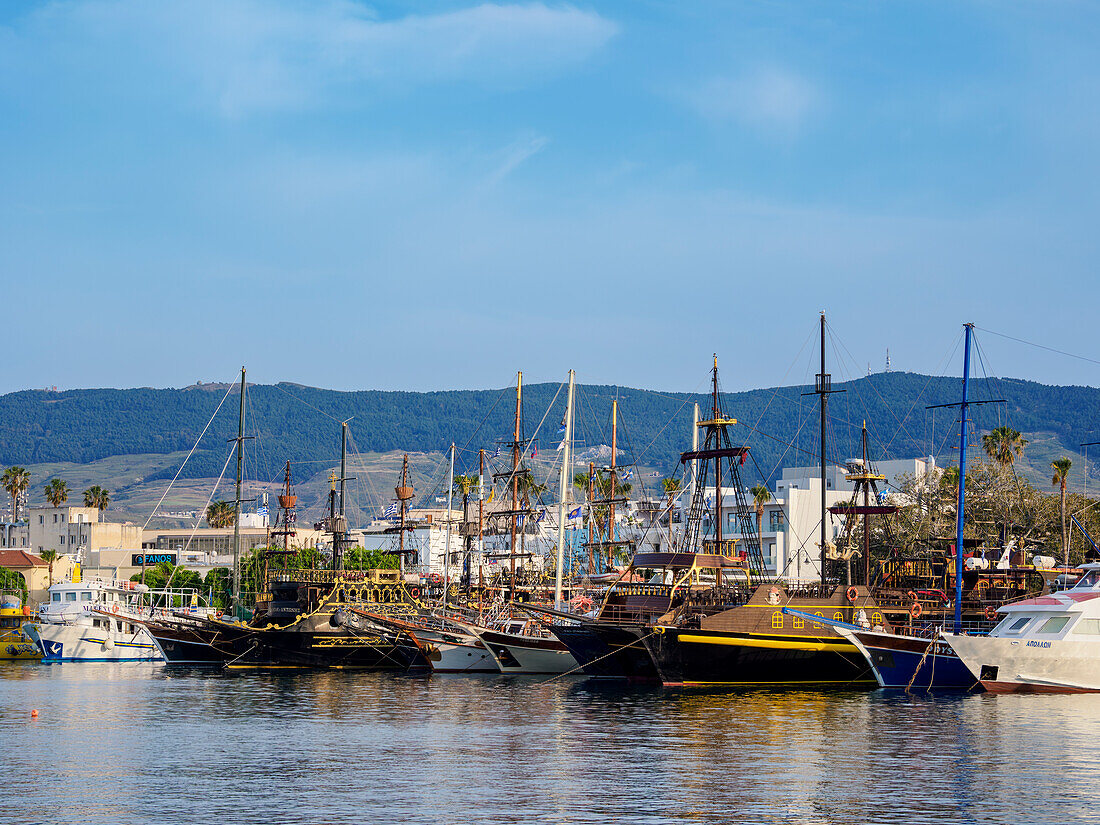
(140, 743)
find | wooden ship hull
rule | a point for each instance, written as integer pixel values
(756, 644)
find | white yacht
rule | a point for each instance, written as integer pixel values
(91, 621)
(1050, 643)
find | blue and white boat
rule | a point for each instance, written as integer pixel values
(91, 621)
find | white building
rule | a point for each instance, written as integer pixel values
(790, 526)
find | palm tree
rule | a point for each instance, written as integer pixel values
(49, 556)
(57, 492)
(16, 480)
(97, 497)
(1061, 472)
(761, 495)
(221, 514)
(671, 486)
(1004, 445)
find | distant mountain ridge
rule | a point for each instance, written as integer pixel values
(301, 424)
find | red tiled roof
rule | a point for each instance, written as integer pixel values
(15, 559)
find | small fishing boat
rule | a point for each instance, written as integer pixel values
(14, 643)
(1047, 644)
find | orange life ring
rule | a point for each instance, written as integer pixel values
(114, 608)
(415, 592)
(991, 613)
(916, 610)
(852, 593)
(912, 596)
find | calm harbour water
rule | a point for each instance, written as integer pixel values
(140, 743)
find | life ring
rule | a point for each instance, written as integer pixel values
(912, 596)
(916, 610)
(852, 593)
(991, 613)
(415, 592)
(114, 609)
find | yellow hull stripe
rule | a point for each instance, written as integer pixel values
(776, 684)
(840, 647)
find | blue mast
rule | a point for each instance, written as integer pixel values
(959, 518)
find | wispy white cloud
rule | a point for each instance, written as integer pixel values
(768, 98)
(242, 56)
(515, 155)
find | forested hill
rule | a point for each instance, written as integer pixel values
(302, 423)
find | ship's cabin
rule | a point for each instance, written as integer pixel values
(1090, 580)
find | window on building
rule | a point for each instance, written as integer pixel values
(838, 616)
(777, 620)
(775, 521)
(876, 619)
(61, 539)
(62, 518)
(41, 519)
(55, 518)
(799, 623)
(70, 597)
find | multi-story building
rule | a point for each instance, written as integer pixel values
(74, 531)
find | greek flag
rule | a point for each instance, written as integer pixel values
(261, 510)
(628, 474)
(391, 511)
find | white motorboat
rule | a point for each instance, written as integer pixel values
(91, 621)
(1046, 644)
(525, 646)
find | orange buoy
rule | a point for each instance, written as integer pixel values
(34, 714)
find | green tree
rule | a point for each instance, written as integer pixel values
(12, 582)
(761, 495)
(97, 496)
(219, 584)
(360, 558)
(49, 556)
(1061, 473)
(221, 514)
(16, 480)
(57, 492)
(1004, 445)
(671, 487)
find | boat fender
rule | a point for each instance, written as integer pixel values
(108, 643)
(852, 594)
(916, 610)
(991, 613)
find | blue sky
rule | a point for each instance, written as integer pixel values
(433, 195)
